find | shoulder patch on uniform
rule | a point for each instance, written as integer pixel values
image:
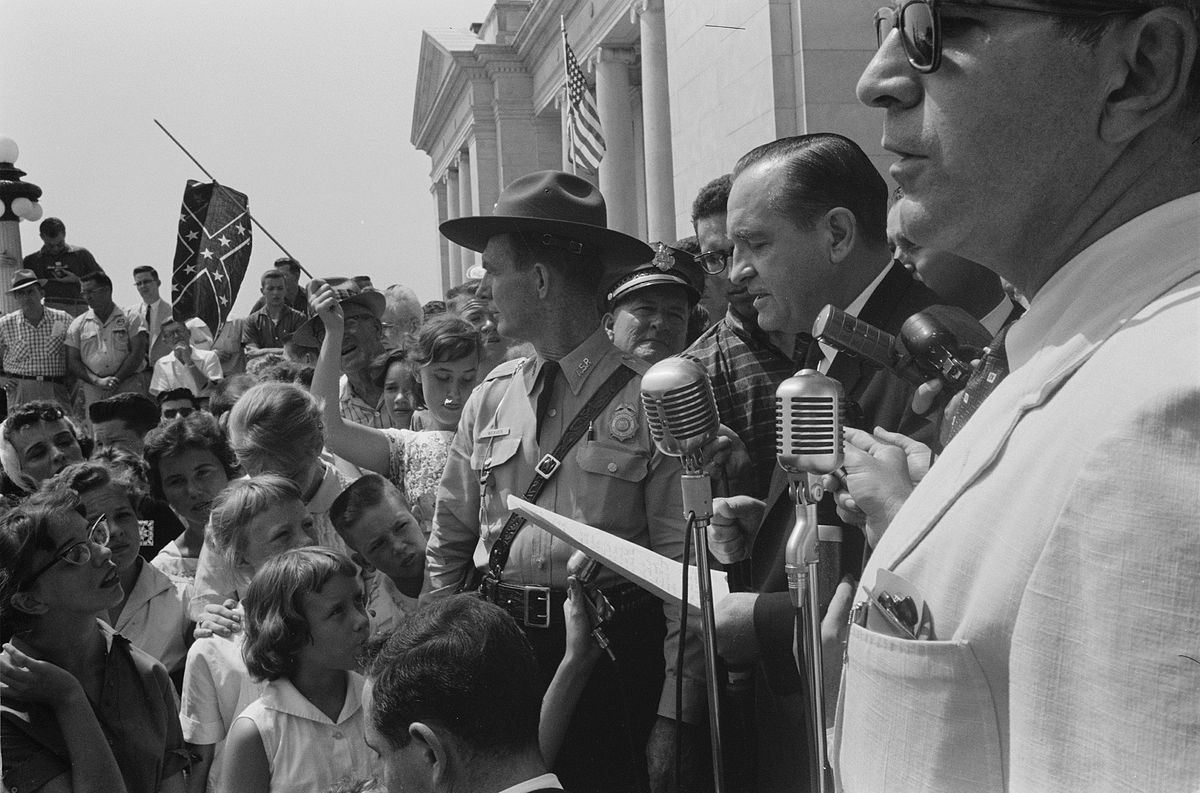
(505, 369)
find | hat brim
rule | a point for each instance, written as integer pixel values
(306, 334)
(647, 280)
(36, 282)
(615, 247)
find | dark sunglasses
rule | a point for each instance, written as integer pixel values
(920, 23)
(79, 552)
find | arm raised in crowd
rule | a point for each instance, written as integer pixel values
(364, 446)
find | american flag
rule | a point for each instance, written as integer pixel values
(586, 145)
(212, 253)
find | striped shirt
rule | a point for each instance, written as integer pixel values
(355, 408)
(745, 369)
(35, 350)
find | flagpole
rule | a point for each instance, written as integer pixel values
(233, 198)
(562, 26)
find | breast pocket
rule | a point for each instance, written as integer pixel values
(488, 455)
(597, 457)
(916, 711)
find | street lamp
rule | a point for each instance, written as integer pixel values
(18, 201)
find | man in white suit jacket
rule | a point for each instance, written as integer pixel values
(1056, 542)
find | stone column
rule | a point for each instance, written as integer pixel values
(466, 208)
(617, 181)
(438, 191)
(656, 118)
(452, 204)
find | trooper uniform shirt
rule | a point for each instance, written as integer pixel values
(613, 478)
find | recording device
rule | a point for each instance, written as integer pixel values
(682, 414)
(809, 419)
(925, 349)
(599, 610)
(681, 411)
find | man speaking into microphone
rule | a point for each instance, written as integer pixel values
(808, 217)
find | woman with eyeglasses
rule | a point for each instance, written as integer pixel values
(84, 710)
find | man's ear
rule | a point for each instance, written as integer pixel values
(28, 603)
(541, 280)
(840, 228)
(607, 321)
(437, 755)
(1149, 59)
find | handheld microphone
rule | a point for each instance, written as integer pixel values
(925, 350)
(599, 609)
(681, 411)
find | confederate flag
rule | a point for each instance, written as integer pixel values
(212, 253)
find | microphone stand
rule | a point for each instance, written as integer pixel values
(801, 565)
(697, 498)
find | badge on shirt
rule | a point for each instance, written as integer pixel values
(624, 422)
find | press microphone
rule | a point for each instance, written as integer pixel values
(925, 349)
(682, 414)
(809, 416)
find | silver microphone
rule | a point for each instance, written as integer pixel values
(680, 408)
(681, 411)
(809, 418)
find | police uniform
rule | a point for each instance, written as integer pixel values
(613, 478)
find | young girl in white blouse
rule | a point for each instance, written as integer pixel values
(304, 622)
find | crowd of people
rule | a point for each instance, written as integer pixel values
(283, 558)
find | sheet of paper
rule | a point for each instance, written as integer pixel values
(655, 572)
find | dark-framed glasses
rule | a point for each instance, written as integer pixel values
(177, 413)
(920, 24)
(713, 262)
(78, 553)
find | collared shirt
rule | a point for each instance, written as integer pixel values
(543, 782)
(75, 260)
(745, 368)
(307, 752)
(853, 309)
(263, 332)
(170, 374)
(1054, 546)
(615, 480)
(104, 346)
(355, 408)
(154, 616)
(153, 315)
(35, 350)
(138, 713)
(216, 688)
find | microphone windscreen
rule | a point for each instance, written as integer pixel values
(809, 416)
(680, 408)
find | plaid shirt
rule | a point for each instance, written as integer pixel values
(35, 350)
(355, 408)
(745, 369)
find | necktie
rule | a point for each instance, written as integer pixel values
(993, 368)
(549, 375)
(150, 334)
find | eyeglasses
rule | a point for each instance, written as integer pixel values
(713, 262)
(920, 24)
(80, 552)
(172, 413)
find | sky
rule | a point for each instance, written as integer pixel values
(304, 106)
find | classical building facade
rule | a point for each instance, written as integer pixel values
(684, 88)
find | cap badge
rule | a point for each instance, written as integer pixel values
(663, 259)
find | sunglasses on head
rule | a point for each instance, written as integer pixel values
(920, 24)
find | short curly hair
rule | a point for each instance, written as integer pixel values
(197, 432)
(276, 629)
